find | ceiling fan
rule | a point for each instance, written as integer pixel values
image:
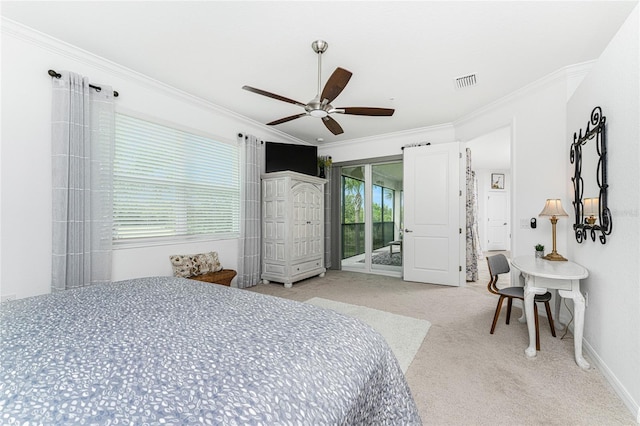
(320, 106)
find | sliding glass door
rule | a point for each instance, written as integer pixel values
(353, 217)
(386, 217)
(371, 218)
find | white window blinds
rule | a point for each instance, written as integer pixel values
(168, 183)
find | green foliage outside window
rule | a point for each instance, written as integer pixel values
(353, 216)
(353, 200)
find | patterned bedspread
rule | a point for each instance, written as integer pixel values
(176, 351)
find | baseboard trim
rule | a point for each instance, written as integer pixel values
(619, 389)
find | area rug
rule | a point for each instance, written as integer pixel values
(386, 258)
(403, 334)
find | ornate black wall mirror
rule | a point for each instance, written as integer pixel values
(590, 180)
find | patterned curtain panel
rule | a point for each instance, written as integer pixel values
(82, 140)
(472, 240)
(250, 214)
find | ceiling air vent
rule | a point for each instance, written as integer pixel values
(465, 81)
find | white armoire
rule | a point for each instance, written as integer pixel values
(292, 227)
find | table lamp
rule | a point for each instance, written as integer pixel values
(590, 210)
(553, 208)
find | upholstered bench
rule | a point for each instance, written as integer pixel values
(223, 277)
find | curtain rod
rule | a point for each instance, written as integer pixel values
(411, 145)
(52, 73)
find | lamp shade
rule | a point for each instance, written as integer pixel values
(590, 207)
(553, 207)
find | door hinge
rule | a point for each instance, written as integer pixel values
(459, 155)
(461, 193)
(459, 230)
(459, 268)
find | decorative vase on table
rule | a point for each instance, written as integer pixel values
(539, 254)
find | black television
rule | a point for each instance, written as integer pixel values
(286, 156)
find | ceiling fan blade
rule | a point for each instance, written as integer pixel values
(335, 85)
(332, 125)
(284, 120)
(366, 111)
(273, 95)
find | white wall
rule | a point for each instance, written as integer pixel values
(25, 222)
(536, 116)
(612, 318)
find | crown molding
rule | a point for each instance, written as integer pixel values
(579, 70)
(44, 41)
(563, 74)
(410, 133)
(59, 47)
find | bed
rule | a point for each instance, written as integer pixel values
(177, 351)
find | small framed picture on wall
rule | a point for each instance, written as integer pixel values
(497, 181)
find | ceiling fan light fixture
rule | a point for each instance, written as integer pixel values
(318, 113)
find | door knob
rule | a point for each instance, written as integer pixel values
(408, 230)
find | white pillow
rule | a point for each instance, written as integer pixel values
(188, 265)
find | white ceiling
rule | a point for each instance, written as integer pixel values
(403, 55)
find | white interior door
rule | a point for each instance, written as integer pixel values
(497, 221)
(432, 216)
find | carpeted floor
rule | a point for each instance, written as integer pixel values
(403, 334)
(462, 375)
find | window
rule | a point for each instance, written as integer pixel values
(170, 183)
(383, 216)
(353, 212)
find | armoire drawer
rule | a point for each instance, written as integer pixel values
(310, 265)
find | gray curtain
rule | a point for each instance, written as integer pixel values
(334, 239)
(472, 240)
(250, 212)
(327, 219)
(82, 138)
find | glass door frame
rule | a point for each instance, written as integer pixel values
(367, 165)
